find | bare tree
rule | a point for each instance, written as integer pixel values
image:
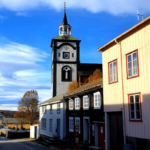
(28, 107)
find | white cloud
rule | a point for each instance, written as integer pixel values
(21, 14)
(21, 70)
(13, 107)
(112, 6)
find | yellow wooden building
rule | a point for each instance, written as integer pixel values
(126, 86)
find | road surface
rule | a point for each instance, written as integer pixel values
(20, 144)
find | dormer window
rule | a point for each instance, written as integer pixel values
(85, 102)
(71, 104)
(66, 73)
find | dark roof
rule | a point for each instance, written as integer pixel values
(65, 38)
(55, 99)
(85, 73)
(88, 69)
(65, 22)
(86, 88)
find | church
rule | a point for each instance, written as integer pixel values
(66, 67)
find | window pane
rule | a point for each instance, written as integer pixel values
(110, 66)
(129, 65)
(135, 63)
(131, 99)
(137, 98)
(131, 107)
(114, 64)
(137, 106)
(110, 78)
(135, 71)
(138, 115)
(134, 56)
(129, 58)
(110, 72)
(132, 114)
(129, 72)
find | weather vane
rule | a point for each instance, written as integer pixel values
(64, 5)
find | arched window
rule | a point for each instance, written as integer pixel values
(66, 73)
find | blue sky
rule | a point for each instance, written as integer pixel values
(27, 28)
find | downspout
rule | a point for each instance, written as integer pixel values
(124, 126)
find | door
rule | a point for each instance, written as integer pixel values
(116, 131)
(86, 130)
(58, 129)
(35, 132)
(101, 136)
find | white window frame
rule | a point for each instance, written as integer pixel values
(71, 103)
(44, 109)
(85, 107)
(113, 71)
(77, 118)
(51, 109)
(132, 64)
(50, 125)
(43, 126)
(135, 109)
(58, 108)
(77, 103)
(97, 99)
(71, 129)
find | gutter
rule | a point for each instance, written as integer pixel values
(123, 116)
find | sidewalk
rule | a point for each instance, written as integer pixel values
(6, 140)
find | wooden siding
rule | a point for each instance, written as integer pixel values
(113, 93)
(93, 114)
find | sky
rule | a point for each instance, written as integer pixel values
(28, 26)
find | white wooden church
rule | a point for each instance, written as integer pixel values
(66, 67)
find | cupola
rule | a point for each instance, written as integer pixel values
(65, 28)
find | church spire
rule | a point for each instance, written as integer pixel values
(65, 28)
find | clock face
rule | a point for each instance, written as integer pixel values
(66, 55)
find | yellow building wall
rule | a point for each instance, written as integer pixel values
(26, 126)
(113, 92)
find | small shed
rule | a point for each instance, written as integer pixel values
(34, 131)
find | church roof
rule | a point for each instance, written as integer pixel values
(65, 22)
(65, 38)
(55, 99)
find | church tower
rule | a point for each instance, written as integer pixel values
(65, 58)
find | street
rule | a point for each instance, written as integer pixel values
(20, 144)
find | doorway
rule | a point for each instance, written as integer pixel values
(35, 132)
(86, 129)
(116, 130)
(101, 136)
(58, 129)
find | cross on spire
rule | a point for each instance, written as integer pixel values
(64, 5)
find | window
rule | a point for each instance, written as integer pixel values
(58, 108)
(72, 54)
(132, 64)
(70, 104)
(43, 123)
(77, 103)
(66, 73)
(97, 100)
(59, 54)
(85, 102)
(77, 122)
(135, 113)
(112, 71)
(51, 110)
(50, 125)
(44, 109)
(71, 124)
